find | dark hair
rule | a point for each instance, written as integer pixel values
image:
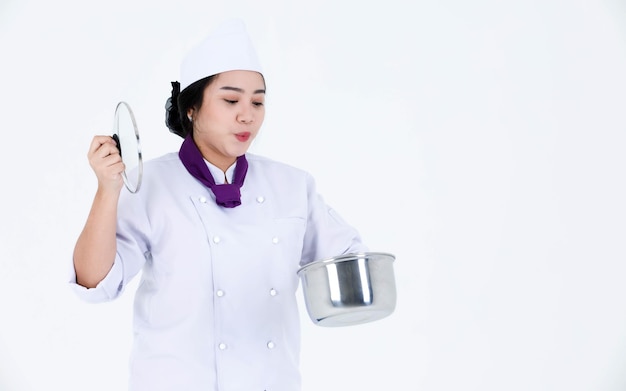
(180, 102)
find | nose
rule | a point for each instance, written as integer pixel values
(245, 115)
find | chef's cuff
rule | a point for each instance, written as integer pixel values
(106, 290)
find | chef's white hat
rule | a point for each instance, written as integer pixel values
(227, 48)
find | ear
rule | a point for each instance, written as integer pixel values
(190, 114)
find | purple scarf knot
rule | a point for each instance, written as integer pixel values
(227, 195)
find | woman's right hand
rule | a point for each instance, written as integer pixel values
(106, 162)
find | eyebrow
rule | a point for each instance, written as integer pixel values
(237, 89)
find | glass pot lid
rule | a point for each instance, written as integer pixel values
(126, 136)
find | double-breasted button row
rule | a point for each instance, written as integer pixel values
(269, 344)
(221, 293)
(217, 240)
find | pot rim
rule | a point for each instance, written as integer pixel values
(344, 258)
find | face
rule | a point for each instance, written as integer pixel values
(232, 111)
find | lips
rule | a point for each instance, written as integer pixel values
(243, 136)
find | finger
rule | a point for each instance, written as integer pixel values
(111, 160)
(107, 150)
(103, 150)
(104, 157)
(99, 141)
(109, 169)
(114, 170)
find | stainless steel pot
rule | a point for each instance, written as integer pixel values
(349, 289)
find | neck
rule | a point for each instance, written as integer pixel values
(215, 158)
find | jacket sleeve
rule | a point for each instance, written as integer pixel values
(132, 250)
(327, 234)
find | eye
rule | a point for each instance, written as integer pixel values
(257, 104)
(232, 102)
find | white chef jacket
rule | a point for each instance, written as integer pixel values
(216, 308)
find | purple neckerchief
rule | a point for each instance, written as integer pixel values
(226, 195)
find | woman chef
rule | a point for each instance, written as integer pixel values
(218, 233)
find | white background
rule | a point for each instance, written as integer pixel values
(482, 142)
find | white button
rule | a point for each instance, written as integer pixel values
(216, 239)
(275, 239)
(270, 345)
(203, 199)
(219, 293)
(222, 346)
(260, 199)
(273, 292)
